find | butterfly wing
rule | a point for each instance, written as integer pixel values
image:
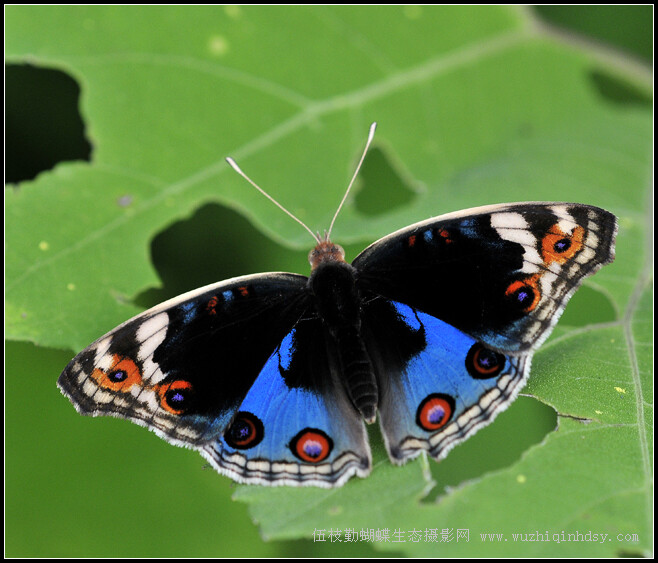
(437, 385)
(296, 426)
(472, 293)
(502, 273)
(183, 367)
(238, 370)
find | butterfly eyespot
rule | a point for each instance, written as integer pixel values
(435, 411)
(311, 445)
(176, 397)
(122, 374)
(483, 363)
(524, 294)
(245, 432)
(411, 241)
(558, 246)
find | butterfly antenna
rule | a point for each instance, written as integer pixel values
(371, 134)
(268, 196)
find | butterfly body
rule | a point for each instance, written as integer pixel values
(337, 301)
(431, 330)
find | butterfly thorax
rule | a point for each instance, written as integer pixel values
(333, 286)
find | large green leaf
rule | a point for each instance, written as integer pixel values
(475, 105)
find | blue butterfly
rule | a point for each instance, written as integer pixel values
(431, 329)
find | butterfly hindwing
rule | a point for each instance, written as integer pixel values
(437, 385)
(296, 425)
(183, 367)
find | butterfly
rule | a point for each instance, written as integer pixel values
(430, 330)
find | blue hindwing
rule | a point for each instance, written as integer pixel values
(442, 392)
(288, 434)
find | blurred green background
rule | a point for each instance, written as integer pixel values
(52, 510)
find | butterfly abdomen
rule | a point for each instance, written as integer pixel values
(337, 301)
(358, 372)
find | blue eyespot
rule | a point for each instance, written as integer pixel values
(245, 432)
(483, 363)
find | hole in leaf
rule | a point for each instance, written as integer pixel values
(618, 91)
(43, 123)
(214, 244)
(381, 187)
(525, 423)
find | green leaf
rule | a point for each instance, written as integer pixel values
(475, 105)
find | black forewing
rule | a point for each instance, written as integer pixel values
(460, 267)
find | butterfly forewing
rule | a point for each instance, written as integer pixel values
(501, 274)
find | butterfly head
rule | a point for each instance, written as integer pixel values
(325, 251)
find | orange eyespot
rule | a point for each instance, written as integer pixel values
(524, 293)
(121, 375)
(558, 246)
(175, 396)
(435, 411)
(311, 445)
